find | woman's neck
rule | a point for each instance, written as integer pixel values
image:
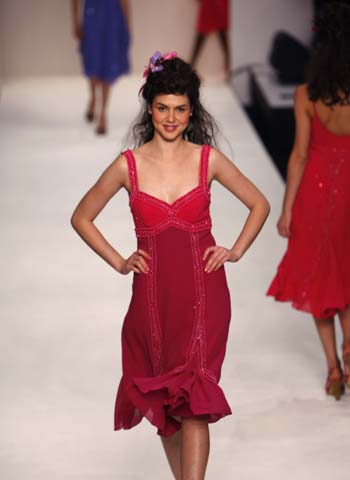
(167, 149)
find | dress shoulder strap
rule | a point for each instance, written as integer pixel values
(204, 166)
(132, 171)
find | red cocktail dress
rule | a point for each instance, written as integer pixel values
(314, 274)
(213, 16)
(175, 331)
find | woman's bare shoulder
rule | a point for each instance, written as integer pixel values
(302, 100)
(301, 91)
(216, 156)
(117, 170)
(120, 162)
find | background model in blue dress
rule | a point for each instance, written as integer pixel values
(105, 41)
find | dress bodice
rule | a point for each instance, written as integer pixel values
(188, 212)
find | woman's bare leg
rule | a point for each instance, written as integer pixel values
(335, 381)
(102, 123)
(344, 317)
(326, 331)
(195, 445)
(93, 83)
(172, 447)
(198, 45)
(226, 49)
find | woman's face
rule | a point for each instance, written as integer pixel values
(170, 115)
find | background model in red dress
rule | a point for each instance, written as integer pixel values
(213, 16)
(315, 272)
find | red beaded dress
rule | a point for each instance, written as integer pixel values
(175, 331)
(213, 16)
(314, 274)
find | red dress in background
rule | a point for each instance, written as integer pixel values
(213, 16)
(175, 331)
(315, 272)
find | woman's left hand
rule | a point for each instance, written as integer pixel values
(219, 255)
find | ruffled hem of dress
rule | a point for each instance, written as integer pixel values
(106, 77)
(182, 392)
(323, 295)
(304, 305)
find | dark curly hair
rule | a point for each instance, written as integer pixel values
(177, 77)
(329, 69)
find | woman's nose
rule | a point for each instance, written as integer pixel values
(171, 116)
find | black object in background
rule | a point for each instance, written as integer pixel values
(290, 58)
(272, 98)
(273, 118)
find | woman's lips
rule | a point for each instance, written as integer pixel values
(170, 128)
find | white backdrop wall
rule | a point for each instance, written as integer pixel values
(37, 38)
(254, 23)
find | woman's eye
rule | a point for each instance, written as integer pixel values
(161, 109)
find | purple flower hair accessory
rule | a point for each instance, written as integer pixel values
(156, 62)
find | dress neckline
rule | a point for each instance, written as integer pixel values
(175, 202)
(202, 185)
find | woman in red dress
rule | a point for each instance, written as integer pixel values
(175, 331)
(315, 272)
(213, 16)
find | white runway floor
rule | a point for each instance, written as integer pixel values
(62, 311)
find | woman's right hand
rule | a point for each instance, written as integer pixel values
(136, 263)
(283, 224)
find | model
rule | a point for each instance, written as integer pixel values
(314, 273)
(175, 331)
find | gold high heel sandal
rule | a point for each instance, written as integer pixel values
(335, 386)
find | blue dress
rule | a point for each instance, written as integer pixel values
(105, 42)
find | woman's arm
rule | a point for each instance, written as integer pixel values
(225, 172)
(298, 157)
(110, 182)
(76, 16)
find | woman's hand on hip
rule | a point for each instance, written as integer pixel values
(136, 263)
(218, 256)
